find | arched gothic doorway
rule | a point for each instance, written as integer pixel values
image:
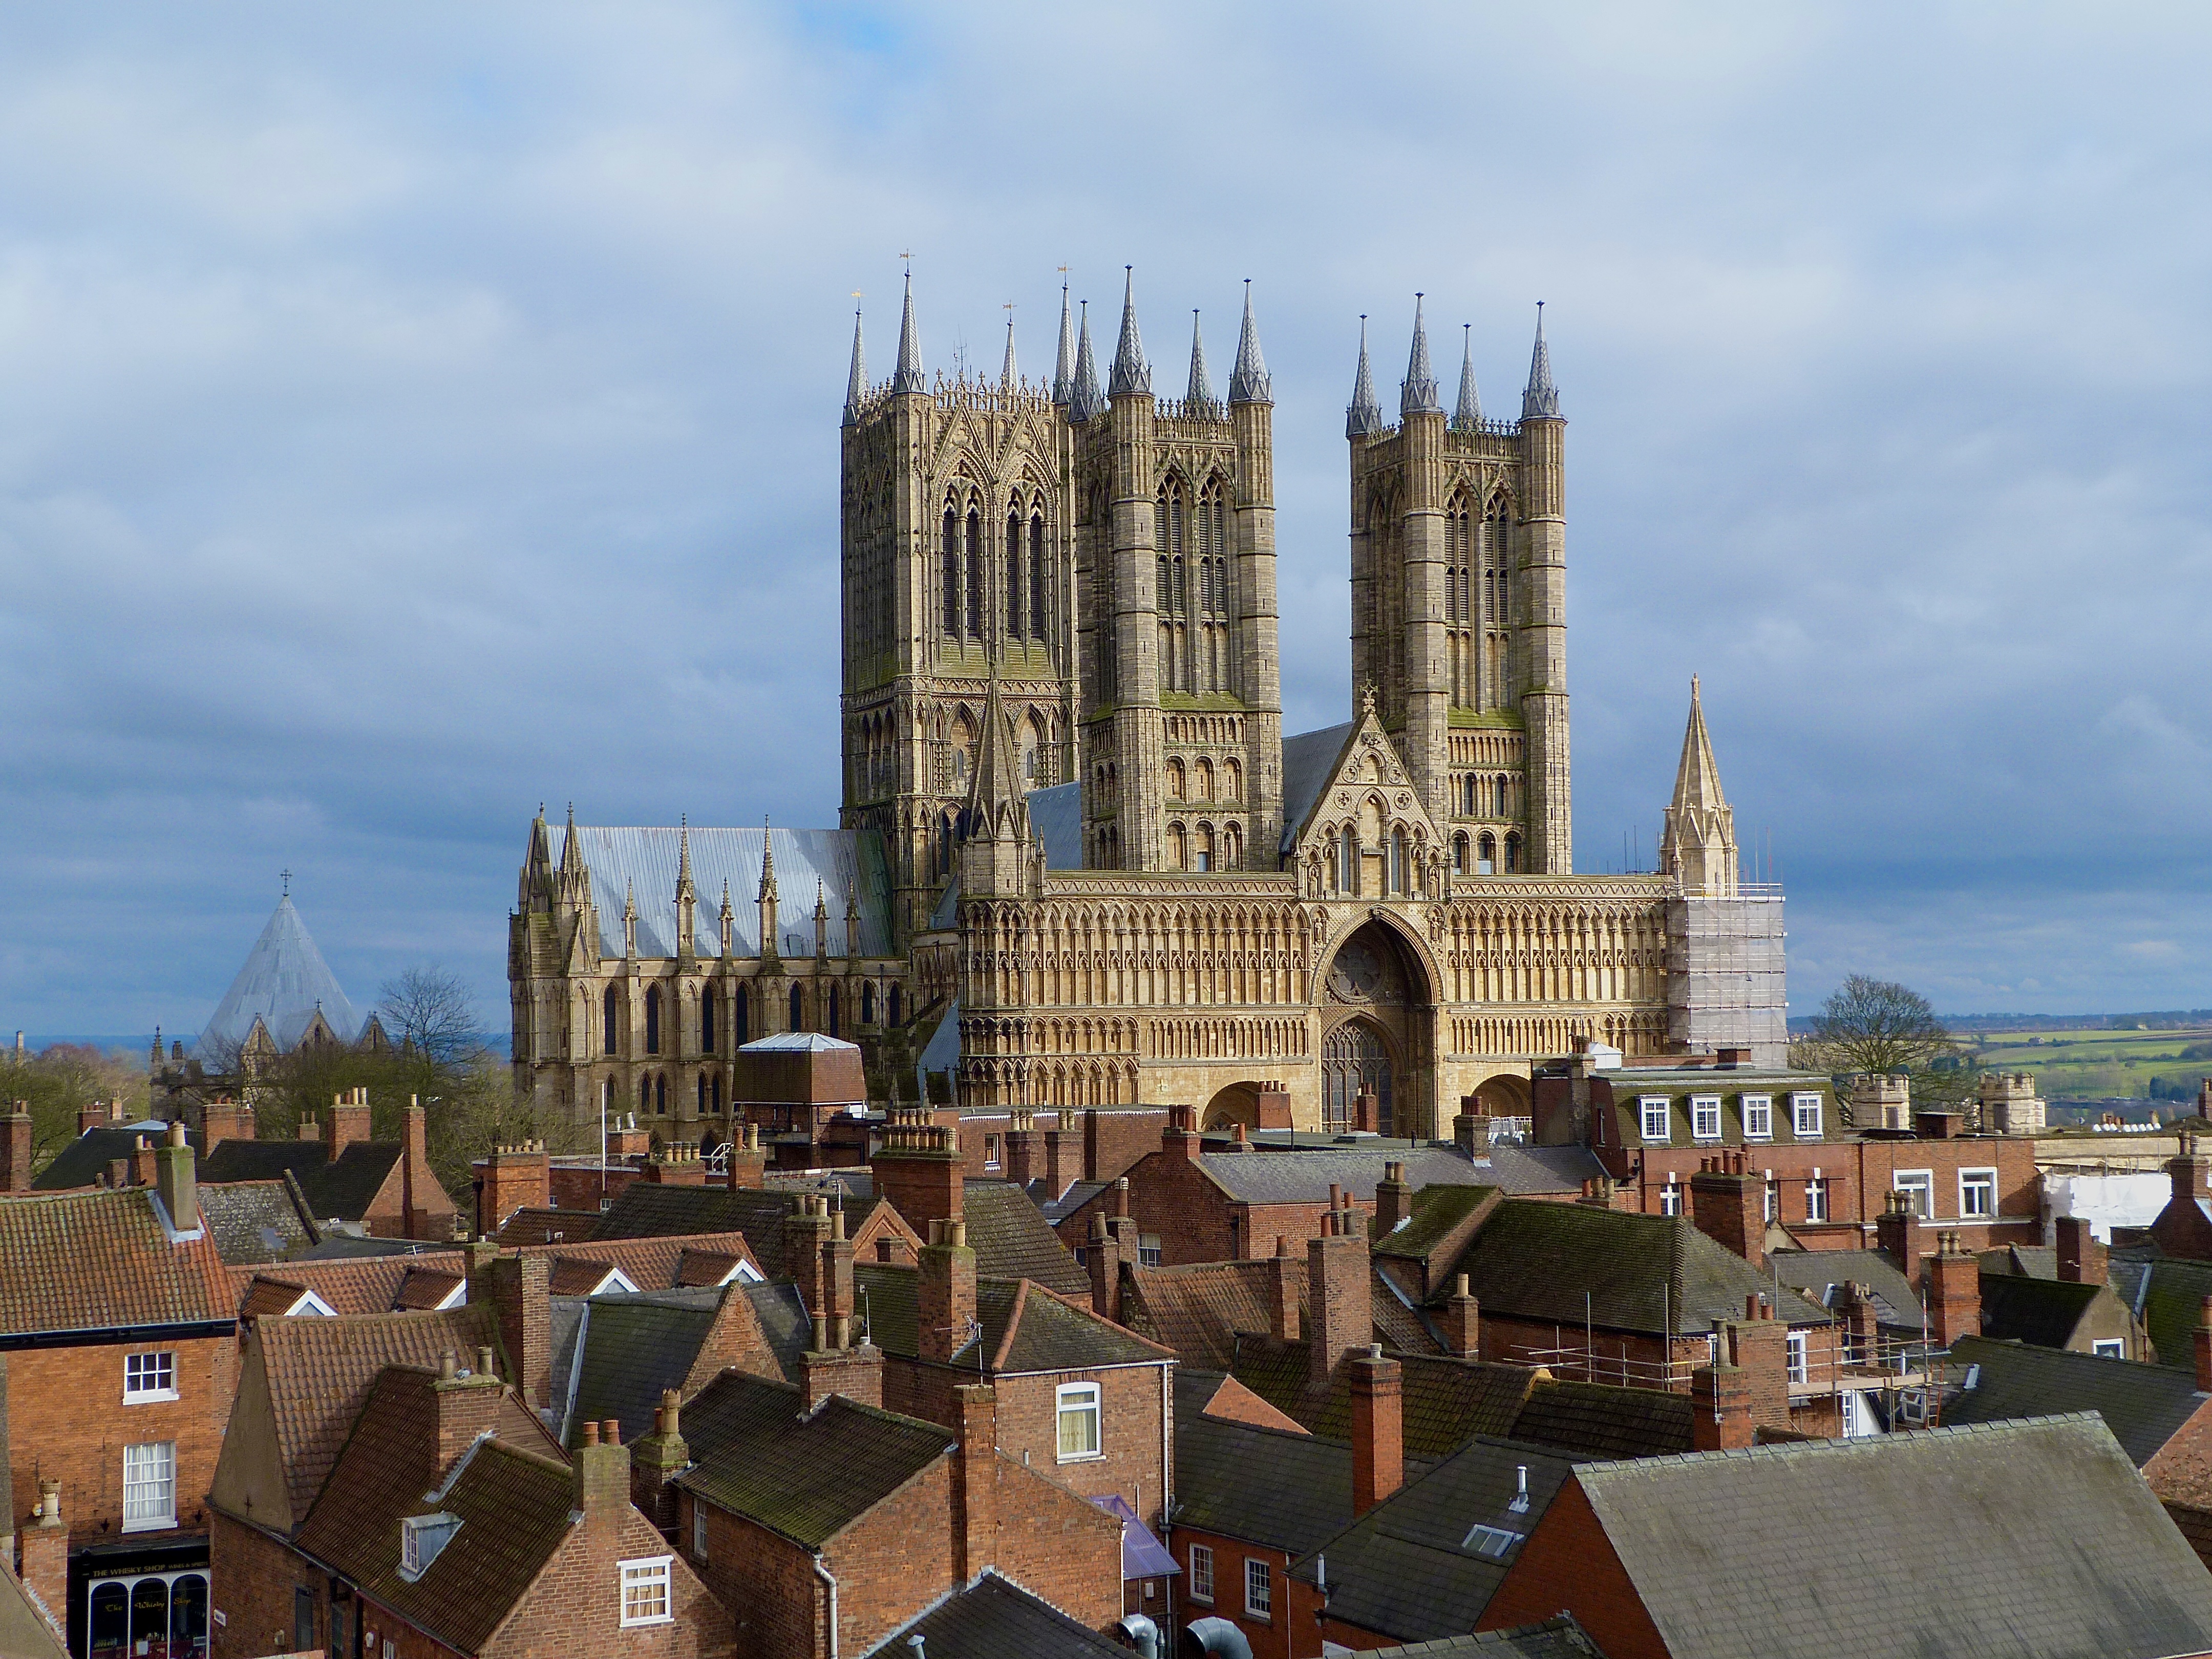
(1377, 1019)
(1354, 1060)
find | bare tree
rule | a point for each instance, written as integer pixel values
(1876, 1025)
(429, 1010)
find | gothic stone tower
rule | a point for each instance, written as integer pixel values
(1459, 606)
(1175, 561)
(956, 563)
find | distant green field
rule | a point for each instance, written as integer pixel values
(2091, 1064)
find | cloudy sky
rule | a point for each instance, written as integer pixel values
(412, 413)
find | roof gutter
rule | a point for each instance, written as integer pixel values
(830, 1579)
(93, 1336)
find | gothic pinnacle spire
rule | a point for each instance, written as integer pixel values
(1698, 844)
(1468, 415)
(1201, 384)
(1249, 383)
(1007, 376)
(1697, 780)
(1063, 374)
(684, 855)
(1365, 414)
(1540, 401)
(767, 862)
(1131, 373)
(1084, 400)
(856, 385)
(996, 790)
(1418, 393)
(909, 377)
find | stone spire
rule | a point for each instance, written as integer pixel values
(687, 894)
(728, 919)
(1131, 373)
(1365, 414)
(1084, 400)
(1249, 383)
(856, 385)
(1063, 374)
(1008, 377)
(629, 918)
(1202, 383)
(1540, 401)
(995, 794)
(909, 377)
(1697, 843)
(576, 874)
(1468, 415)
(768, 896)
(1417, 394)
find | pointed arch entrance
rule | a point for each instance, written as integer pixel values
(1378, 1036)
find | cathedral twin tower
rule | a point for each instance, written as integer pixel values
(1107, 559)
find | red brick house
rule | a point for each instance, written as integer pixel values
(384, 1186)
(822, 1528)
(2184, 1227)
(117, 1337)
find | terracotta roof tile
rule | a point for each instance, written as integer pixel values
(100, 1260)
(1200, 1308)
(353, 1285)
(427, 1287)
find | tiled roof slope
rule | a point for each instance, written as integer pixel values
(2043, 1311)
(1199, 1309)
(993, 1619)
(1605, 1420)
(1025, 1327)
(1446, 1402)
(1536, 1261)
(102, 1260)
(805, 1476)
(1409, 1568)
(342, 1190)
(2143, 1406)
(1304, 1177)
(356, 1285)
(514, 1507)
(2168, 1297)
(254, 1221)
(1821, 1274)
(1012, 1240)
(2101, 1572)
(1555, 1638)
(637, 1345)
(83, 1161)
(319, 1372)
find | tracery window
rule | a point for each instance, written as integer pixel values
(1353, 1062)
(975, 574)
(1017, 605)
(949, 579)
(1038, 569)
(610, 1020)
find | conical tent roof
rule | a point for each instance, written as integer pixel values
(284, 981)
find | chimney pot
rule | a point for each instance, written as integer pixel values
(591, 1431)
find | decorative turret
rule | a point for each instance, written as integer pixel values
(1468, 416)
(535, 889)
(820, 920)
(1698, 844)
(767, 896)
(728, 920)
(575, 875)
(1201, 394)
(1416, 393)
(1133, 375)
(856, 384)
(909, 377)
(1008, 378)
(1249, 383)
(687, 894)
(1063, 374)
(1084, 400)
(1540, 400)
(1365, 417)
(629, 921)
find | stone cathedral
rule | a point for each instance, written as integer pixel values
(1077, 860)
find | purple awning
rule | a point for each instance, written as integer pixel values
(1143, 1556)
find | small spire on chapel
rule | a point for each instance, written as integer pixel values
(1133, 375)
(910, 377)
(1365, 415)
(767, 862)
(856, 384)
(1202, 383)
(1063, 374)
(1540, 401)
(1008, 377)
(1468, 415)
(1249, 383)
(683, 888)
(1084, 400)
(1417, 395)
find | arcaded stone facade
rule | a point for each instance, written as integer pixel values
(1072, 825)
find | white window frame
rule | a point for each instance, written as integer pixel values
(1704, 1110)
(1259, 1589)
(1758, 1117)
(1923, 1180)
(992, 1156)
(1816, 1197)
(641, 1572)
(414, 1531)
(1148, 1249)
(1201, 1573)
(2110, 1347)
(698, 1531)
(1670, 1197)
(1491, 1543)
(149, 1478)
(1985, 1181)
(1078, 1399)
(1796, 1351)
(1657, 1108)
(155, 1364)
(1770, 1200)
(1805, 1117)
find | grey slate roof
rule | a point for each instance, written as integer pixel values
(2044, 1311)
(636, 1344)
(1309, 761)
(2167, 1297)
(1056, 820)
(1822, 1274)
(84, 1161)
(1555, 1638)
(254, 1221)
(992, 1619)
(342, 1190)
(1304, 1177)
(1517, 1169)
(646, 1209)
(1049, 1335)
(1413, 1567)
(2101, 1572)
(1012, 1240)
(643, 861)
(2143, 1406)
(284, 981)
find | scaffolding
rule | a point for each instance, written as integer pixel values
(1726, 983)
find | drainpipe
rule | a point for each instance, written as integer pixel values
(830, 1579)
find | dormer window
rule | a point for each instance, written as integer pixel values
(420, 1537)
(1654, 1110)
(1705, 1117)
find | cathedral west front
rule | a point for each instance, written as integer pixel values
(1077, 860)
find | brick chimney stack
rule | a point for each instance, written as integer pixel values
(1954, 1291)
(1181, 1139)
(976, 1477)
(2202, 1339)
(2191, 1172)
(804, 1232)
(1379, 1429)
(511, 1178)
(348, 1123)
(464, 1404)
(1462, 1323)
(599, 1474)
(45, 1546)
(1862, 1333)
(1394, 1199)
(1103, 1259)
(221, 1120)
(2081, 1259)
(918, 1170)
(1897, 1232)
(745, 1159)
(1339, 1306)
(520, 1288)
(656, 1460)
(1729, 1206)
(1282, 1293)
(16, 1151)
(836, 1364)
(946, 1296)
(176, 1181)
(1760, 1350)
(1720, 1409)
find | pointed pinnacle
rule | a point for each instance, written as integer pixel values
(909, 376)
(856, 385)
(1540, 400)
(1697, 780)
(1249, 383)
(1006, 374)
(1365, 414)
(1084, 400)
(1417, 394)
(1468, 415)
(1063, 374)
(1133, 375)
(1201, 384)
